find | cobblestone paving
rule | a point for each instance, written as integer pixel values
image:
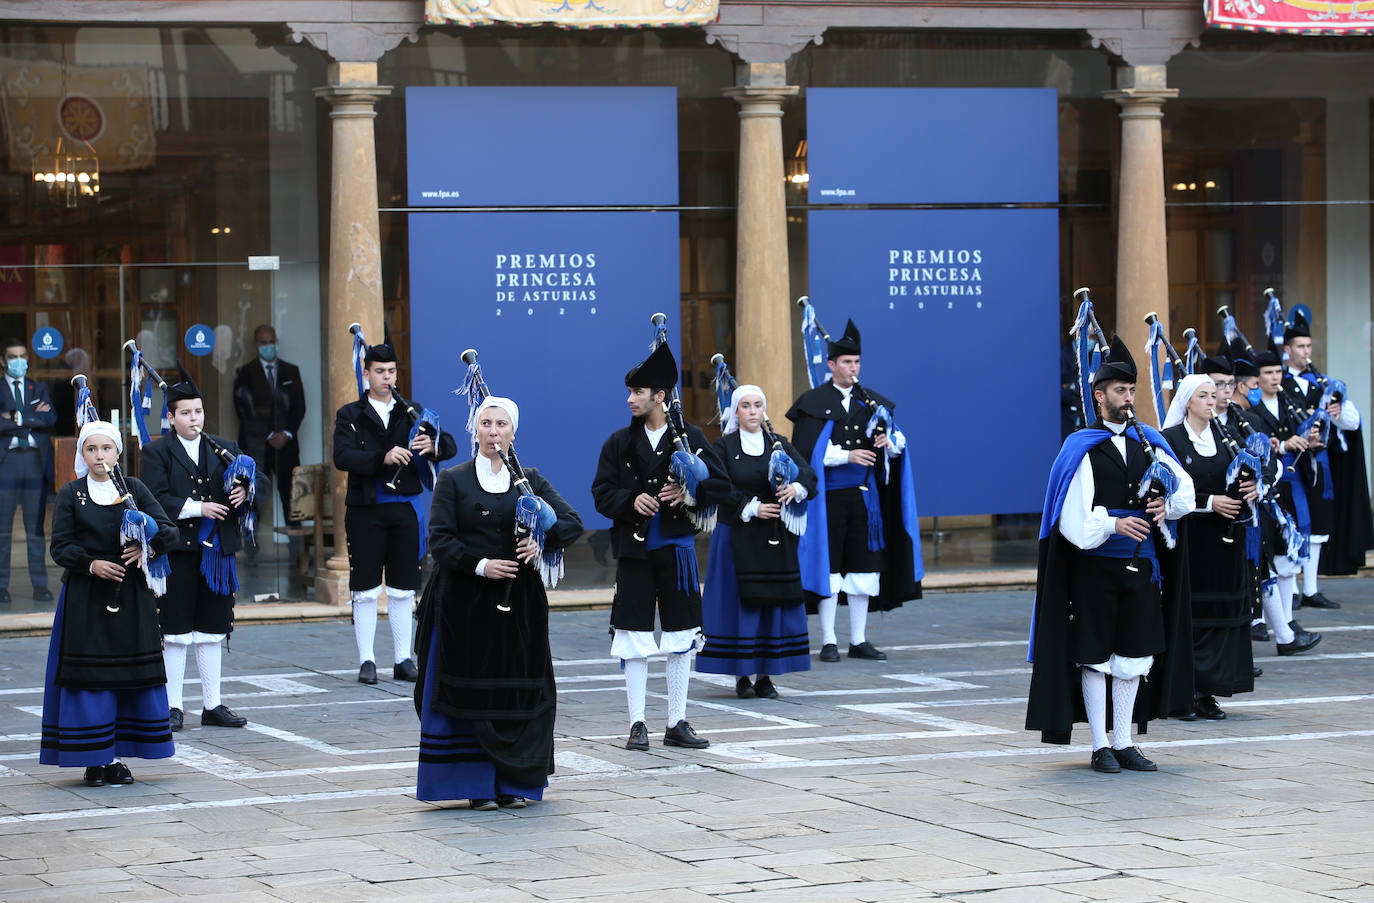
(871, 782)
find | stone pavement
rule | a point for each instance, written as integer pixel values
(871, 782)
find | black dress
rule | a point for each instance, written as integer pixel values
(1219, 578)
(485, 693)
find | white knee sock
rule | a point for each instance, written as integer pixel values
(1123, 709)
(826, 609)
(400, 603)
(174, 660)
(208, 664)
(1095, 704)
(1287, 587)
(1309, 569)
(636, 682)
(858, 619)
(679, 669)
(1274, 617)
(365, 623)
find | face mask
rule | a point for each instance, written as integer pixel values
(267, 352)
(1254, 396)
(17, 368)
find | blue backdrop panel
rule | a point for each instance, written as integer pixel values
(523, 147)
(932, 145)
(557, 306)
(959, 316)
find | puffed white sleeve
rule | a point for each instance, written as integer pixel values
(896, 443)
(1180, 501)
(1350, 416)
(1079, 522)
(835, 456)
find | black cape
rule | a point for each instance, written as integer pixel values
(1353, 536)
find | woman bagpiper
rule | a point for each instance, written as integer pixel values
(105, 695)
(1223, 662)
(485, 693)
(753, 611)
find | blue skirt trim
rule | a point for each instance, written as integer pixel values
(745, 640)
(94, 727)
(453, 765)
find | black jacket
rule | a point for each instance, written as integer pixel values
(173, 477)
(361, 442)
(814, 407)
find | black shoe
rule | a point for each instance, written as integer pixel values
(764, 689)
(95, 776)
(1295, 626)
(867, 650)
(639, 737)
(511, 802)
(1206, 707)
(1301, 643)
(681, 734)
(222, 716)
(482, 805)
(830, 653)
(42, 594)
(176, 718)
(405, 670)
(744, 689)
(118, 773)
(1257, 673)
(1131, 760)
(367, 673)
(1259, 633)
(1104, 760)
(1316, 600)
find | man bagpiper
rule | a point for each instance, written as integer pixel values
(388, 448)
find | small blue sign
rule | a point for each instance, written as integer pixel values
(47, 342)
(200, 340)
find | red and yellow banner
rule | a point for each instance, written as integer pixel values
(1293, 16)
(573, 13)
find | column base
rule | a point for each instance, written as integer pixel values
(331, 588)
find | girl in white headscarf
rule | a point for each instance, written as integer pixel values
(1219, 573)
(753, 612)
(105, 694)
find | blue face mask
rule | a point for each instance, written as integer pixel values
(17, 367)
(267, 352)
(1254, 396)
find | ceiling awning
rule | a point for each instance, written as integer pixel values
(1293, 16)
(572, 13)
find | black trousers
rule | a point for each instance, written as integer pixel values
(646, 585)
(846, 524)
(1112, 610)
(190, 604)
(383, 546)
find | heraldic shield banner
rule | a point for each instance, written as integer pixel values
(572, 13)
(1296, 16)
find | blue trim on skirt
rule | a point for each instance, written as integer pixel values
(743, 640)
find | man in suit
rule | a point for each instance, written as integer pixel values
(187, 475)
(26, 470)
(270, 400)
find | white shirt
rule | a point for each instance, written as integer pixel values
(192, 507)
(752, 444)
(383, 408)
(1088, 526)
(102, 492)
(655, 436)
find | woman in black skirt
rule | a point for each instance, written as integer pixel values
(1223, 663)
(485, 693)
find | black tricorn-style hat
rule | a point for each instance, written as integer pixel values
(657, 371)
(1118, 364)
(847, 343)
(1268, 358)
(182, 389)
(1216, 363)
(379, 354)
(1298, 329)
(1241, 360)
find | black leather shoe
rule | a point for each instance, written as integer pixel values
(1301, 643)
(764, 689)
(681, 734)
(1257, 673)
(639, 737)
(43, 594)
(744, 689)
(95, 776)
(1295, 626)
(830, 653)
(1206, 707)
(1259, 633)
(1104, 760)
(482, 805)
(1131, 760)
(367, 673)
(1316, 600)
(406, 671)
(867, 650)
(118, 773)
(176, 718)
(222, 716)
(511, 802)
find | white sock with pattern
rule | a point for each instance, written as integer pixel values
(1274, 617)
(174, 660)
(679, 670)
(208, 664)
(827, 609)
(858, 619)
(400, 607)
(365, 627)
(1123, 709)
(636, 684)
(1095, 704)
(1309, 569)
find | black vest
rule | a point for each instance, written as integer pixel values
(1116, 483)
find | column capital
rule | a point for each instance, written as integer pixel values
(761, 100)
(353, 89)
(1154, 39)
(353, 41)
(1141, 103)
(756, 43)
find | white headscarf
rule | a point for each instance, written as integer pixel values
(505, 404)
(1178, 408)
(95, 428)
(741, 392)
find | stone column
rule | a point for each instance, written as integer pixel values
(355, 269)
(763, 312)
(1142, 260)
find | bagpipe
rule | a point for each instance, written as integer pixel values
(1176, 364)
(423, 422)
(534, 517)
(240, 472)
(1159, 482)
(1302, 422)
(1090, 346)
(136, 528)
(782, 470)
(685, 469)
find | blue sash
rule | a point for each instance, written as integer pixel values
(1119, 546)
(684, 547)
(418, 501)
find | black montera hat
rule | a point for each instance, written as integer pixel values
(657, 371)
(1267, 359)
(1241, 360)
(1217, 364)
(183, 389)
(1298, 329)
(847, 343)
(379, 354)
(1118, 364)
